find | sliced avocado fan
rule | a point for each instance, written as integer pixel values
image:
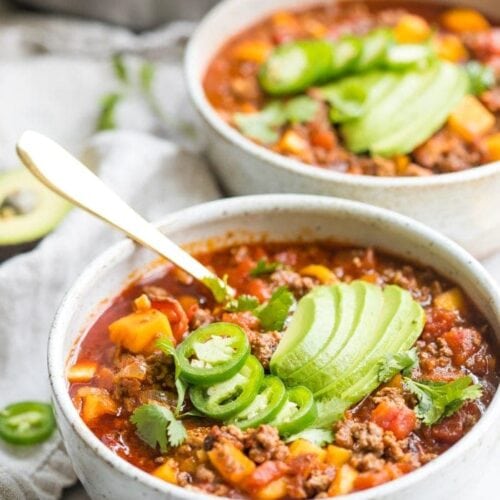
(366, 324)
(416, 107)
(28, 210)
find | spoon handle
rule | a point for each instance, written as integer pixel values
(71, 179)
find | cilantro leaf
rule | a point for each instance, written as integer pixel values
(262, 126)
(392, 364)
(319, 437)
(157, 426)
(167, 347)
(274, 313)
(330, 410)
(146, 76)
(437, 400)
(119, 68)
(264, 267)
(106, 119)
(347, 98)
(242, 303)
(301, 109)
(481, 77)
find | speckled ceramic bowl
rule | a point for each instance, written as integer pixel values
(277, 217)
(464, 205)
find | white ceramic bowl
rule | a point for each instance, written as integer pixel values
(464, 205)
(277, 217)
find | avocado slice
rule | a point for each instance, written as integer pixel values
(308, 332)
(426, 113)
(369, 305)
(347, 315)
(28, 211)
(386, 332)
(376, 124)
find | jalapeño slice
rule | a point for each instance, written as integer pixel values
(298, 412)
(213, 353)
(26, 423)
(225, 399)
(267, 403)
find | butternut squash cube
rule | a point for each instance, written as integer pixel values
(451, 300)
(96, 402)
(450, 48)
(463, 20)
(272, 491)
(492, 144)
(293, 143)
(166, 472)
(138, 331)
(471, 119)
(253, 51)
(335, 455)
(231, 463)
(82, 372)
(344, 481)
(412, 29)
(322, 273)
(305, 447)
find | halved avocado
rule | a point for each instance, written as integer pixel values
(28, 211)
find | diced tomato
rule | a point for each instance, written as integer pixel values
(239, 274)
(265, 474)
(367, 480)
(323, 138)
(452, 428)
(438, 322)
(464, 342)
(259, 289)
(400, 420)
(176, 316)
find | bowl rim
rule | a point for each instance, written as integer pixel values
(298, 168)
(216, 210)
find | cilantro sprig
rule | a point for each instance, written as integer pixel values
(392, 364)
(319, 437)
(263, 126)
(437, 400)
(157, 426)
(265, 267)
(272, 314)
(167, 347)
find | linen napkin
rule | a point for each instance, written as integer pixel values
(155, 177)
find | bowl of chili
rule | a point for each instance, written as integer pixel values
(134, 335)
(280, 118)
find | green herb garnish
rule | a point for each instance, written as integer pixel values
(274, 313)
(481, 77)
(106, 119)
(392, 364)
(437, 400)
(157, 426)
(264, 267)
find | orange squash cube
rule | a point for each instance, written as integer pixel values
(96, 402)
(138, 331)
(255, 51)
(471, 119)
(492, 145)
(451, 300)
(335, 455)
(166, 472)
(412, 29)
(305, 447)
(231, 463)
(344, 481)
(463, 20)
(450, 48)
(273, 491)
(82, 372)
(321, 273)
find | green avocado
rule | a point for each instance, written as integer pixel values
(360, 134)
(425, 114)
(28, 211)
(308, 332)
(382, 339)
(347, 315)
(368, 308)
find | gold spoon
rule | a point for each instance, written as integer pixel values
(71, 179)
